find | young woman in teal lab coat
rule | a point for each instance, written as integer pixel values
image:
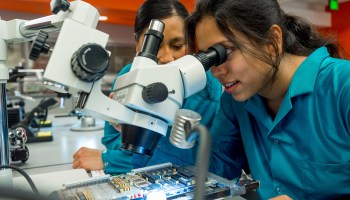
(286, 105)
(115, 161)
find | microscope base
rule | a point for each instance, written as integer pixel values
(6, 179)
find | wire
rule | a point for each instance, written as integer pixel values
(26, 176)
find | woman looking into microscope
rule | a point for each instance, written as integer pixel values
(115, 161)
(286, 101)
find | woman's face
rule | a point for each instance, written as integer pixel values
(173, 45)
(242, 75)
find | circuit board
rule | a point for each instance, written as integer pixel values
(164, 181)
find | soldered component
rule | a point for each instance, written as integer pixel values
(120, 185)
(86, 195)
(184, 181)
(172, 181)
(141, 184)
(185, 172)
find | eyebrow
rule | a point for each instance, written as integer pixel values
(177, 39)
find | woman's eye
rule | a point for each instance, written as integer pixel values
(230, 50)
(178, 46)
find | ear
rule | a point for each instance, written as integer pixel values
(137, 47)
(275, 35)
(139, 42)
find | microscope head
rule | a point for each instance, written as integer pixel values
(158, 91)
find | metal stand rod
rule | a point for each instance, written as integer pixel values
(203, 156)
(4, 137)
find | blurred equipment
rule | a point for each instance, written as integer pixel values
(14, 114)
(88, 123)
(63, 97)
(34, 120)
(18, 76)
(18, 148)
(164, 181)
(19, 72)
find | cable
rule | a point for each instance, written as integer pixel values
(30, 181)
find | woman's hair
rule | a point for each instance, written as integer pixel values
(157, 9)
(254, 19)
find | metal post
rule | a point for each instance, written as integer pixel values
(4, 145)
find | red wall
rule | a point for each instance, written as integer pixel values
(341, 25)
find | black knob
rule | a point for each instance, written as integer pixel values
(39, 45)
(90, 62)
(58, 5)
(155, 93)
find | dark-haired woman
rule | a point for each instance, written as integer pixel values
(286, 102)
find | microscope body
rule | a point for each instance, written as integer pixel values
(140, 88)
(182, 78)
(75, 31)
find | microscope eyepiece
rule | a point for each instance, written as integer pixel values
(214, 56)
(153, 38)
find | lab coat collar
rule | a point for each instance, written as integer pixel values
(303, 82)
(304, 78)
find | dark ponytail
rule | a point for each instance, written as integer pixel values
(300, 38)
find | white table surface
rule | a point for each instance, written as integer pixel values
(58, 154)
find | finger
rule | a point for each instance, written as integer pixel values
(76, 154)
(75, 165)
(117, 127)
(111, 95)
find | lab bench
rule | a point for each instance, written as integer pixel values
(50, 163)
(58, 154)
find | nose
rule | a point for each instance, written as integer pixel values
(218, 70)
(165, 55)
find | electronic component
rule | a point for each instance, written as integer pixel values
(165, 180)
(18, 149)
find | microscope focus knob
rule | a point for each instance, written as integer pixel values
(58, 5)
(39, 45)
(155, 93)
(90, 62)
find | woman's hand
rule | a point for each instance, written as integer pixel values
(88, 159)
(282, 197)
